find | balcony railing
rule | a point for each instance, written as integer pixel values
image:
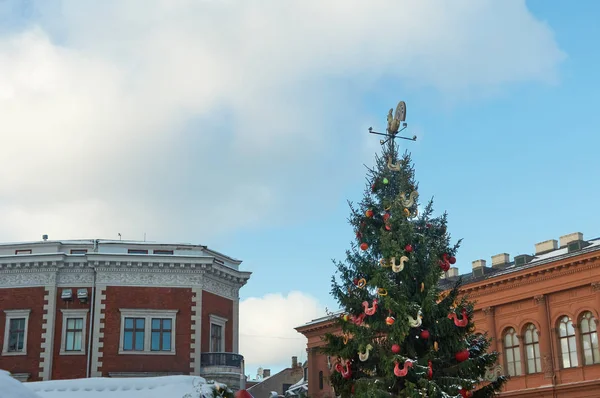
(221, 359)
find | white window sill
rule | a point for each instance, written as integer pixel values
(72, 352)
(14, 354)
(146, 352)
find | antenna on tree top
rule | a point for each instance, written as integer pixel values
(394, 121)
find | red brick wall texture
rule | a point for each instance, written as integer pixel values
(74, 366)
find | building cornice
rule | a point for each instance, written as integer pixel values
(551, 270)
(121, 270)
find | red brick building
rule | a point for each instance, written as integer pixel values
(542, 311)
(90, 308)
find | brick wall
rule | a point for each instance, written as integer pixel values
(220, 306)
(23, 298)
(69, 366)
(146, 298)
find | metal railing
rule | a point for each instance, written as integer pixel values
(221, 359)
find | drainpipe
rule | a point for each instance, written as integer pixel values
(551, 349)
(91, 328)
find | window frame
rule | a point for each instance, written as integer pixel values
(535, 343)
(73, 314)
(515, 348)
(161, 330)
(592, 320)
(218, 321)
(161, 252)
(568, 338)
(78, 251)
(22, 251)
(15, 314)
(137, 251)
(147, 315)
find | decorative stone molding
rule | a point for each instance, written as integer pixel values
(196, 332)
(488, 311)
(97, 346)
(79, 278)
(46, 353)
(540, 299)
(595, 286)
(27, 278)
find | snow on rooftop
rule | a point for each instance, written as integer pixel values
(136, 387)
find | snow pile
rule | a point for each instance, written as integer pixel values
(138, 387)
(12, 388)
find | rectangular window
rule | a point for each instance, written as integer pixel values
(161, 334)
(15, 332)
(23, 251)
(137, 251)
(16, 335)
(216, 333)
(73, 331)
(74, 334)
(163, 252)
(133, 338)
(147, 332)
(78, 251)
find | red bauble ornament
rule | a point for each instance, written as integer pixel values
(408, 248)
(358, 235)
(396, 349)
(386, 216)
(352, 390)
(427, 225)
(425, 334)
(462, 356)
(452, 260)
(465, 393)
(369, 213)
(388, 227)
(355, 281)
(390, 320)
(243, 394)
(364, 246)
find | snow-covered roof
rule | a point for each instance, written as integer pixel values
(139, 387)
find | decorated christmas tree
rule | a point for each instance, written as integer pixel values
(403, 335)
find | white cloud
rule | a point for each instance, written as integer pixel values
(267, 335)
(187, 118)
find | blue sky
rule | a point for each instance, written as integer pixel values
(246, 129)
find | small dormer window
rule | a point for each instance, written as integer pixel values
(78, 251)
(163, 252)
(23, 251)
(137, 251)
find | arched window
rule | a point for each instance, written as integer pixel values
(568, 345)
(589, 339)
(321, 380)
(512, 352)
(532, 349)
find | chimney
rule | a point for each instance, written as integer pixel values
(566, 239)
(294, 362)
(266, 373)
(478, 268)
(500, 260)
(546, 246)
(452, 273)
